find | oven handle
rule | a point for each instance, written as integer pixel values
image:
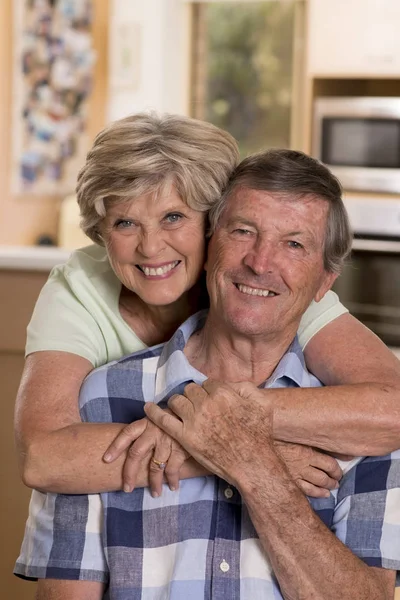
(376, 245)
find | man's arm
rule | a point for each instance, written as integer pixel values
(307, 559)
(218, 430)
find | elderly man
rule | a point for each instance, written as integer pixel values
(245, 531)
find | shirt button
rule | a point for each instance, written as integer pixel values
(228, 493)
(224, 566)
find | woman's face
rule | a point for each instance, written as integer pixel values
(156, 246)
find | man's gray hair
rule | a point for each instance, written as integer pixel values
(294, 175)
(142, 153)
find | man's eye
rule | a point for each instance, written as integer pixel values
(242, 231)
(294, 244)
(173, 218)
(123, 224)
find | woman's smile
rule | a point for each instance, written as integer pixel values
(160, 271)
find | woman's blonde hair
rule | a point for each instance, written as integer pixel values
(141, 153)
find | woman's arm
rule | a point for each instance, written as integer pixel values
(58, 589)
(359, 413)
(57, 452)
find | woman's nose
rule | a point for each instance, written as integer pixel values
(151, 244)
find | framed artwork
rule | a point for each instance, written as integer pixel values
(125, 56)
(52, 81)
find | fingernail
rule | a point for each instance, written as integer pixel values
(155, 495)
(172, 488)
(107, 457)
(127, 488)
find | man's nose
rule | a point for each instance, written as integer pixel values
(261, 258)
(151, 243)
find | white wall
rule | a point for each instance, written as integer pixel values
(156, 37)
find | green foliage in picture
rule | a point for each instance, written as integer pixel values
(249, 71)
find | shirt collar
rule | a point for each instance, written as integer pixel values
(174, 369)
(292, 366)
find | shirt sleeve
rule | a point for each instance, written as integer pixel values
(63, 539)
(367, 515)
(318, 315)
(60, 322)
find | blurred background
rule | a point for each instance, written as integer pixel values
(315, 75)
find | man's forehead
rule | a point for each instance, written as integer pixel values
(244, 200)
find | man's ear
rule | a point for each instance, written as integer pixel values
(327, 282)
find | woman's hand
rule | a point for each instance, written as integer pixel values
(314, 472)
(148, 444)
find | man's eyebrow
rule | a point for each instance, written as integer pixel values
(308, 236)
(303, 234)
(239, 219)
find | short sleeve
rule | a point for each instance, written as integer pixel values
(318, 315)
(63, 539)
(60, 322)
(367, 516)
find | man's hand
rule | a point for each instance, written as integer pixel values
(145, 442)
(225, 427)
(314, 472)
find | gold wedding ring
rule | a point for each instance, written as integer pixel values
(161, 465)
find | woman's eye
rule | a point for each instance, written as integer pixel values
(294, 244)
(173, 218)
(123, 224)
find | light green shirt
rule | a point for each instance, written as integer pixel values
(78, 311)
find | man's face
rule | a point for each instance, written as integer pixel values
(265, 261)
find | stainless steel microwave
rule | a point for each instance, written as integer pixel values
(358, 138)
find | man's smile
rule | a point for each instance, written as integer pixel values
(253, 291)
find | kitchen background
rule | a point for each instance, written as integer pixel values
(316, 75)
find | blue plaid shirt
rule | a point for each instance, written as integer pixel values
(198, 542)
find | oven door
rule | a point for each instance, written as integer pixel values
(369, 286)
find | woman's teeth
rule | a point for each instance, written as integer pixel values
(245, 289)
(150, 271)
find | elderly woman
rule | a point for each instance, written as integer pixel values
(144, 194)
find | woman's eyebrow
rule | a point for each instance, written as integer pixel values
(173, 209)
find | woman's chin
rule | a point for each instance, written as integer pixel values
(163, 298)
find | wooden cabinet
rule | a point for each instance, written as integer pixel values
(349, 38)
(18, 293)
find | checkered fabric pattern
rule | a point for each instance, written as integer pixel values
(198, 542)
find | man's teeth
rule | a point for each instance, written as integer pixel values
(148, 271)
(245, 289)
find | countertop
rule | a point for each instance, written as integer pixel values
(32, 258)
